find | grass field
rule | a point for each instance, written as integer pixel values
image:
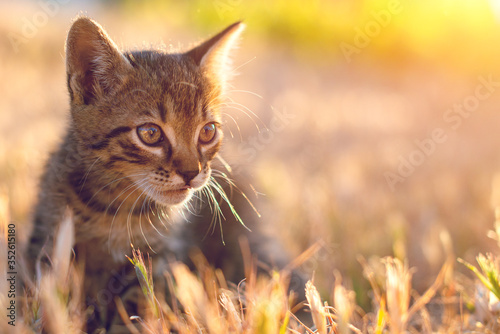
(375, 135)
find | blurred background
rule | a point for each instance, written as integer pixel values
(369, 126)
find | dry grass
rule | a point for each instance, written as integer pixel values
(261, 304)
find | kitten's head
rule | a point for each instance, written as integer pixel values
(149, 117)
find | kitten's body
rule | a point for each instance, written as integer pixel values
(144, 130)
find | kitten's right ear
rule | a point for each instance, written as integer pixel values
(94, 65)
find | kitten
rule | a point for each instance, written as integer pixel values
(145, 130)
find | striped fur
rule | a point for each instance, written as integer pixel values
(121, 189)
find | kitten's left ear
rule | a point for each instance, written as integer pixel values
(213, 54)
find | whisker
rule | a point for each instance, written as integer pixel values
(200, 201)
(88, 172)
(249, 116)
(161, 215)
(216, 211)
(224, 163)
(244, 109)
(134, 183)
(217, 173)
(140, 222)
(110, 183)
(230, 104)
(151, 222)
(137, 185)
(244, 64)
(237, 126)
(245, 91)
(218, 188)
(188, 207)
(219, 216)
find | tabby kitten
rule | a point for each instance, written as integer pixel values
(145, 128)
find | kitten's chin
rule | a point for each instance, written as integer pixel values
(174, 197)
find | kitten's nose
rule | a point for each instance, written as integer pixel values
(187, 167)
(188, 175)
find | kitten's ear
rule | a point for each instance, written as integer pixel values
(94, 65)
(213, 54)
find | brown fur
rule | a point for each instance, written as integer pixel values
(111, 95)
(121, 190)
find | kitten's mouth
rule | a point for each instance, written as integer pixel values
(174, 196)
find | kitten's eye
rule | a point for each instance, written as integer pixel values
(207, 133)
(150, 134)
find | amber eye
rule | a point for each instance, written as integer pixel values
(207, 133)
(150, 134)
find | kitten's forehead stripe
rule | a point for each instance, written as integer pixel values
(173, 81)
(204, 112)
(163, 111)
(147, 113)
(168, 106)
